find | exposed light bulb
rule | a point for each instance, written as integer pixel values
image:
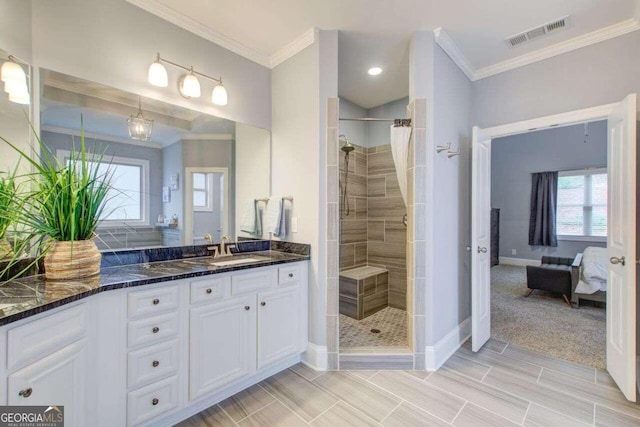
(219, 95)
(374, 71)
(158, 74)
(190, 86)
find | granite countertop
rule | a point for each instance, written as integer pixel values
(27, 296)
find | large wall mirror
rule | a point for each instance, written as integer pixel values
(187, 184)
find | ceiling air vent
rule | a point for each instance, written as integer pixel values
(537, 32)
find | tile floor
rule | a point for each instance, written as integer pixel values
(391, 322)
(501, 385)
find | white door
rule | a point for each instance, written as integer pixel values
(222, 344)
(621, 242)
(278, 324)
(56, 380)
(480, 240)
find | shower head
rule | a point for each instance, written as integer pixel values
(348, 146)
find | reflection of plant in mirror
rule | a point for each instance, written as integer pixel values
(8, 211)
(63, 202)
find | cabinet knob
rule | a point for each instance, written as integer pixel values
(209, 290)
(263, 303)
(155, 401)
(247, 307)
(26, 392)
(155, 364)
(290, 274)
(156, 301)
(155, 330)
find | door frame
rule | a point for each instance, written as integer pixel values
(188, 201)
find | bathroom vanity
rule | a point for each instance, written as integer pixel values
(152, 343)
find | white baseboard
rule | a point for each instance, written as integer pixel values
(316, 357)
(521, 262)
(439, 353)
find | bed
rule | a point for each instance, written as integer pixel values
(589, 276)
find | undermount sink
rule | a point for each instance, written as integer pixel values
(237, 261)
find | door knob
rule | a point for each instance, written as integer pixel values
(26, 392)
(616, 260)
(247, 307)
(482, 250)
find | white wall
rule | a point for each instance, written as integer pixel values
(300, 88)
(378, 132)
(252, 168)
(113, 42)
(15, 28)
(599, 74)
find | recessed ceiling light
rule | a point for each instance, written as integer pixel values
(374, 71)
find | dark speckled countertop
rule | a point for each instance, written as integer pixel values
(27, 296)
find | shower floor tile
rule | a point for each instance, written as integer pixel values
(357, 335)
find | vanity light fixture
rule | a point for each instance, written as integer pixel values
(188, 85)
(15, 81)
(139, 127)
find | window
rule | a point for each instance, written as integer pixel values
(202, 191)
(128, 200)
(582, 205)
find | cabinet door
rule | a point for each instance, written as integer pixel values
(56, 380)
(222, 344)
(278, 324)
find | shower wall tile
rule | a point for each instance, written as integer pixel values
(420, 113)
(420, 147)
(353, 231)
(374, 303)
(332, 221)
(348, 287)
(361, 163)
(332, 146)
(376, 186)
(381, 163)
(395, 232)
(409, 295)
(352, 165)
(360, 207)
(398, 299)
(410, 186)
(332, 296)
(349, 306)
(357, 186)
(361, 253)
(420, 184)
(332, 112)
(332, 334)
(368, 286)
(375, 231)
(419, 289)
(389, 254)
(419, 212)
(382, 148)
(360, 149)
(347, 256)
(391, 208)
(382, 282)
(332, 184)
(392, 186)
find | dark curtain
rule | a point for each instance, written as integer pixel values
(544, 199)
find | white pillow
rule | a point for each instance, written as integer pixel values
(594, 262)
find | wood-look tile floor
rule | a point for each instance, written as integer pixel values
(501, 385)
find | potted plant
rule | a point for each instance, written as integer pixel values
(61, 207)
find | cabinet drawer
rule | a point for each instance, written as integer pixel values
(152, 363)
(250, 282)
(151, 401)
(152, 330)
(210, 289)
(288, 275)
(152, 301)
(40, 337)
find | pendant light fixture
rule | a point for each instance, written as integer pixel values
(139, 127)
(188, 85)
(15, 81)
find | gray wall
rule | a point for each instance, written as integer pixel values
(515, 158)
(113, 42)
(378, 132)
(599, 74)
(172, 164)
(59, 141)
(451, 220)
(355, 131)
(15, 28)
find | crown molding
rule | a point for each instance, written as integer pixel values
(451, 49)
(606, 33)
(304, 40)
(109, 138)
(195, 27)
(206, 137)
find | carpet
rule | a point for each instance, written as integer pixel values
(543, 322)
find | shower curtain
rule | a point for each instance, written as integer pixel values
(400, 150)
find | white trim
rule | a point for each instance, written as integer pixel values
(520, 262)
(601, 239)
(454, 52)
(597, 36)
(316, 357)
(600, 112)
(303, 41)
(206, 136)
(89, 135)
(439, 353)
(173, 16)
(188, 201)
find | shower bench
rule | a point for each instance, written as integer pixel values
(363, 291)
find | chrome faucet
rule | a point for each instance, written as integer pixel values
(226, 245)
